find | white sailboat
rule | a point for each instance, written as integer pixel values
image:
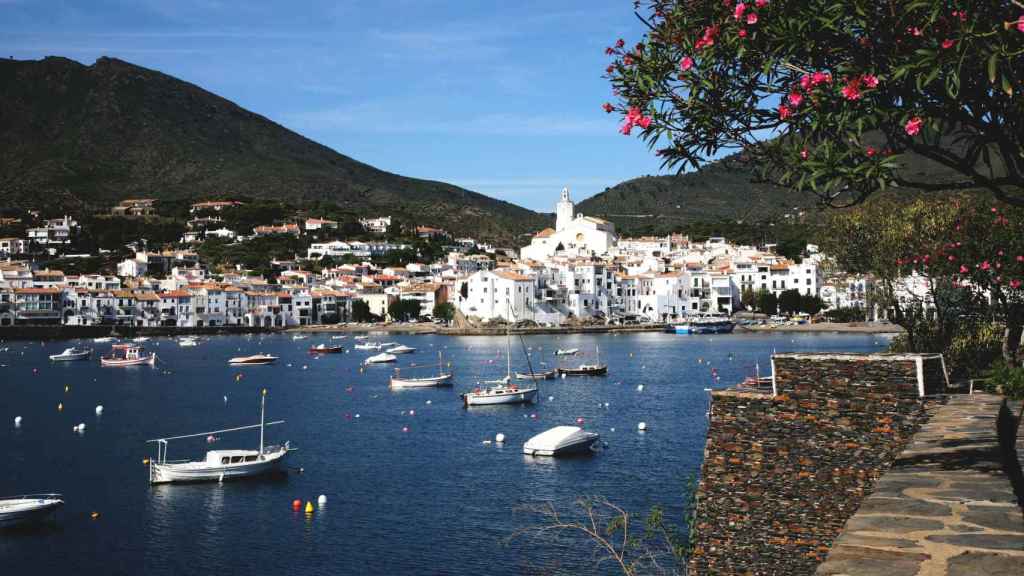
(220, 465)
(442, 378)
(501, 391)
(28, 508)
(382, 358)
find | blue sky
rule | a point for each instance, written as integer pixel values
(499, 97)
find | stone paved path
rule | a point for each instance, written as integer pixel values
(945, 508)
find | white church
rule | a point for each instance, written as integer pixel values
(573, 235)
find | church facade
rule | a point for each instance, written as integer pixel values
(573, 235)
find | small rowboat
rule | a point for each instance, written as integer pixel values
(71, 354)
(17, 510)
(324, 349)
(543, 375)
(254, 360)
(127, 355)
(568, 352)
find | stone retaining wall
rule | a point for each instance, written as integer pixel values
(782, 473)
(61, 332)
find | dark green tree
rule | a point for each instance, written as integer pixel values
(404, 310)
(444, 311)
(361, 312)
(767, 302)
(811, 304)
(789, 301)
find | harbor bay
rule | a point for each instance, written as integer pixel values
(411, 486)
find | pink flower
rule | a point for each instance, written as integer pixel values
(742, 33)
(951, 258)
(626, 128)
(633, 114)
(948, 43)
(803, 154)
(752, 18)
(739, 10)
(620, 43)
(609, 50)
(985, 265)
(610, 68)
(784, 112)
(964, 269)
(795, 98)
(805, 82)
(852, 90)
(820, 78)
(627, 60)
(870, 80)
(915, 31)
(686, 63)
(761, 3)
(870, 151)
(1020, 23)
(1020, 258)
(913, 126)
(644, 122)
(707, 38)
(607, 107)
(1014, 283)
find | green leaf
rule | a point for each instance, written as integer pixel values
(992, 60)
(1007, 87)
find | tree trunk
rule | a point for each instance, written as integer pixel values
(1012, 341)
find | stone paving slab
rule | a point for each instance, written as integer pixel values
(946, 508)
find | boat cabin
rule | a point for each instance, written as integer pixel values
(229, 457)
(126, 352)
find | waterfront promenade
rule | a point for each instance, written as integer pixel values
(947, 507)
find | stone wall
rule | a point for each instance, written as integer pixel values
(782, 473)
(63, 332)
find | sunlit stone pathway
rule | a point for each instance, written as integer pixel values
(946, 508)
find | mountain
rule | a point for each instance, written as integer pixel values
(723, 190)
(86, 137)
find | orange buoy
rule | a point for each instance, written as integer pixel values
(94, 515)
(296, 504)
(145, 460)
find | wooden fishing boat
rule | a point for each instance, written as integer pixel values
(127, 355)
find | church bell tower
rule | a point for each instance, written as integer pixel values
(563, 211)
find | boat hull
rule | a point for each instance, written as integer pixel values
(252, 361)
(442, 380)
(596, 371)
(203, 472)
(520, 396)
(119, 363)
(71, 357)
(329, 350)
(546, 375)
(716, 328)
(19, 512)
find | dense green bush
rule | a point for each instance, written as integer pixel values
(846, 314)
(1006, 380)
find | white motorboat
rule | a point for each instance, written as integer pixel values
(541, 375)
(401, 349)
(501, 391)
(561, 441)
(342, 337)
(382, 358)
(299, 337)
(254, 360)
(188, 341)
(29, 508)
(567, 352)
(442, 378)
(361, 337)
(127, 355)
(367, 346)
(104, 339)
(140, 339)
(219, 465)
(70, 354)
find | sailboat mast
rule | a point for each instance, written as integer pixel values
(508, 344)
(263, 412)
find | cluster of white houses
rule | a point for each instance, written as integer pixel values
(578, 269)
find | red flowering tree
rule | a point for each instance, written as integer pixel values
(984, 254)
(827, 95)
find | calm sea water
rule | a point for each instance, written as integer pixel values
(431, 500)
